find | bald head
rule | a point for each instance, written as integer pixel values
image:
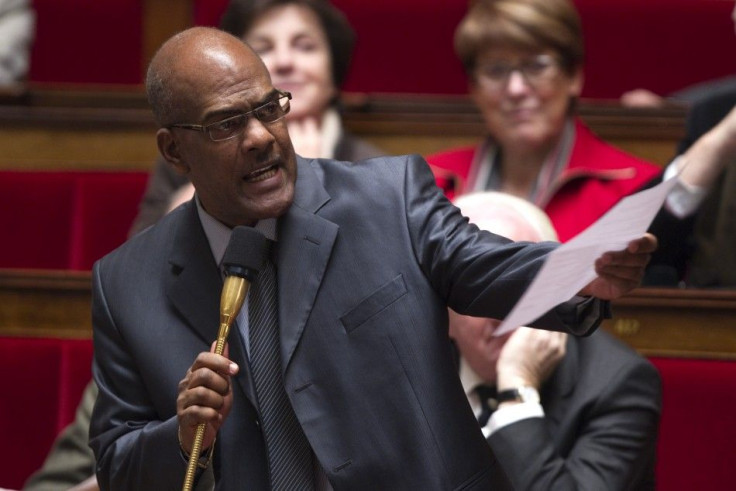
(189, 60)
(507, 215)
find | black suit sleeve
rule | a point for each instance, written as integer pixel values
(614, 439)
(676, 236)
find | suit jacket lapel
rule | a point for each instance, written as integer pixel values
(194, 288)
(195, 283)
(303, 251)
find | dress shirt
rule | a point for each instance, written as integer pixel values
(218, 236)
(501, 417)
(684, 198)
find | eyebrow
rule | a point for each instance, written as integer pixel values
(226, 112)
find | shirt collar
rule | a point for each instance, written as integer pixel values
(218, 234)
(468, 377)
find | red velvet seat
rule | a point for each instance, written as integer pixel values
(106, 205)
(662, 45)
(84, 41)
(65, 220)
(42, 384)
(697, 438)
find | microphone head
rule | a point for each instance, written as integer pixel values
(246, 253)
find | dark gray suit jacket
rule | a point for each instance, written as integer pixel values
(602, 407)
(368, 257)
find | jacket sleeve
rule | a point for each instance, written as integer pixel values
(613, 447)
(476, 272)
(133, 447)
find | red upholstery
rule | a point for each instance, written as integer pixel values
(42, 385)
(106, 205)
(46, 378)
(697, 440)
(87, 41)
(65, 220)
(35, 215)
(406, 45)
(663, 45)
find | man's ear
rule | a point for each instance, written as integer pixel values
(168, 145)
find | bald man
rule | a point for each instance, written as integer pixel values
(367, 257)
(559, 412)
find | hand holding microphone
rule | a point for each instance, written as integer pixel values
(244, 257)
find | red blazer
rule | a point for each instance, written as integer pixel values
(596, 177)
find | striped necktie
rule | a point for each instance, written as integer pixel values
(289, 453)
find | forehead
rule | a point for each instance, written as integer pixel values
(285, 22)
(224, 80)
(509, 54)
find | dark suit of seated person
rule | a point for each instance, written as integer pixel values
(579, 413)
(368, 255)
(697, 227)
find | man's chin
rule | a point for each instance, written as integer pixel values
(273, 208)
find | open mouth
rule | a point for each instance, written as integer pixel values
(262, 174)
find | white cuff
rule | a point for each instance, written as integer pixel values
(506, 415)
(684, 199)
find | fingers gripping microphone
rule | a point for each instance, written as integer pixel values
(244, 258)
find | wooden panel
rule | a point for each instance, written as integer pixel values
(55, 304)
(656, 322)
(677, 323)
(113, 129)
(100, 148)
(88, 137)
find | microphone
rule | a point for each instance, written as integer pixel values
(243, 260)
(244, 257)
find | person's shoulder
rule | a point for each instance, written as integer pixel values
(611, 356)
(363, 177)
(708, 90)
(368, 165)
(710, 110)
(352, 148)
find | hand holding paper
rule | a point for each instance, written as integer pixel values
(620, 272)
(588, 265)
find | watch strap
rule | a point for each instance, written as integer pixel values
(518, 394)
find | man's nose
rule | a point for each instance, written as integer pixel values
(257, 134)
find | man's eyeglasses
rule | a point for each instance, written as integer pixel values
(233, 126)
(536, 70)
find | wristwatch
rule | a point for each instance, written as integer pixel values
(519, 394)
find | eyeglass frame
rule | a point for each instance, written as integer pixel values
(523, 67)
(205, 128)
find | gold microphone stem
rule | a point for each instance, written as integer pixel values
(233, 295)
(193, 458)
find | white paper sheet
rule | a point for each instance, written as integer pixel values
(571, 266)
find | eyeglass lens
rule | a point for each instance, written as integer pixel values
(268, 113)
(534, 70)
